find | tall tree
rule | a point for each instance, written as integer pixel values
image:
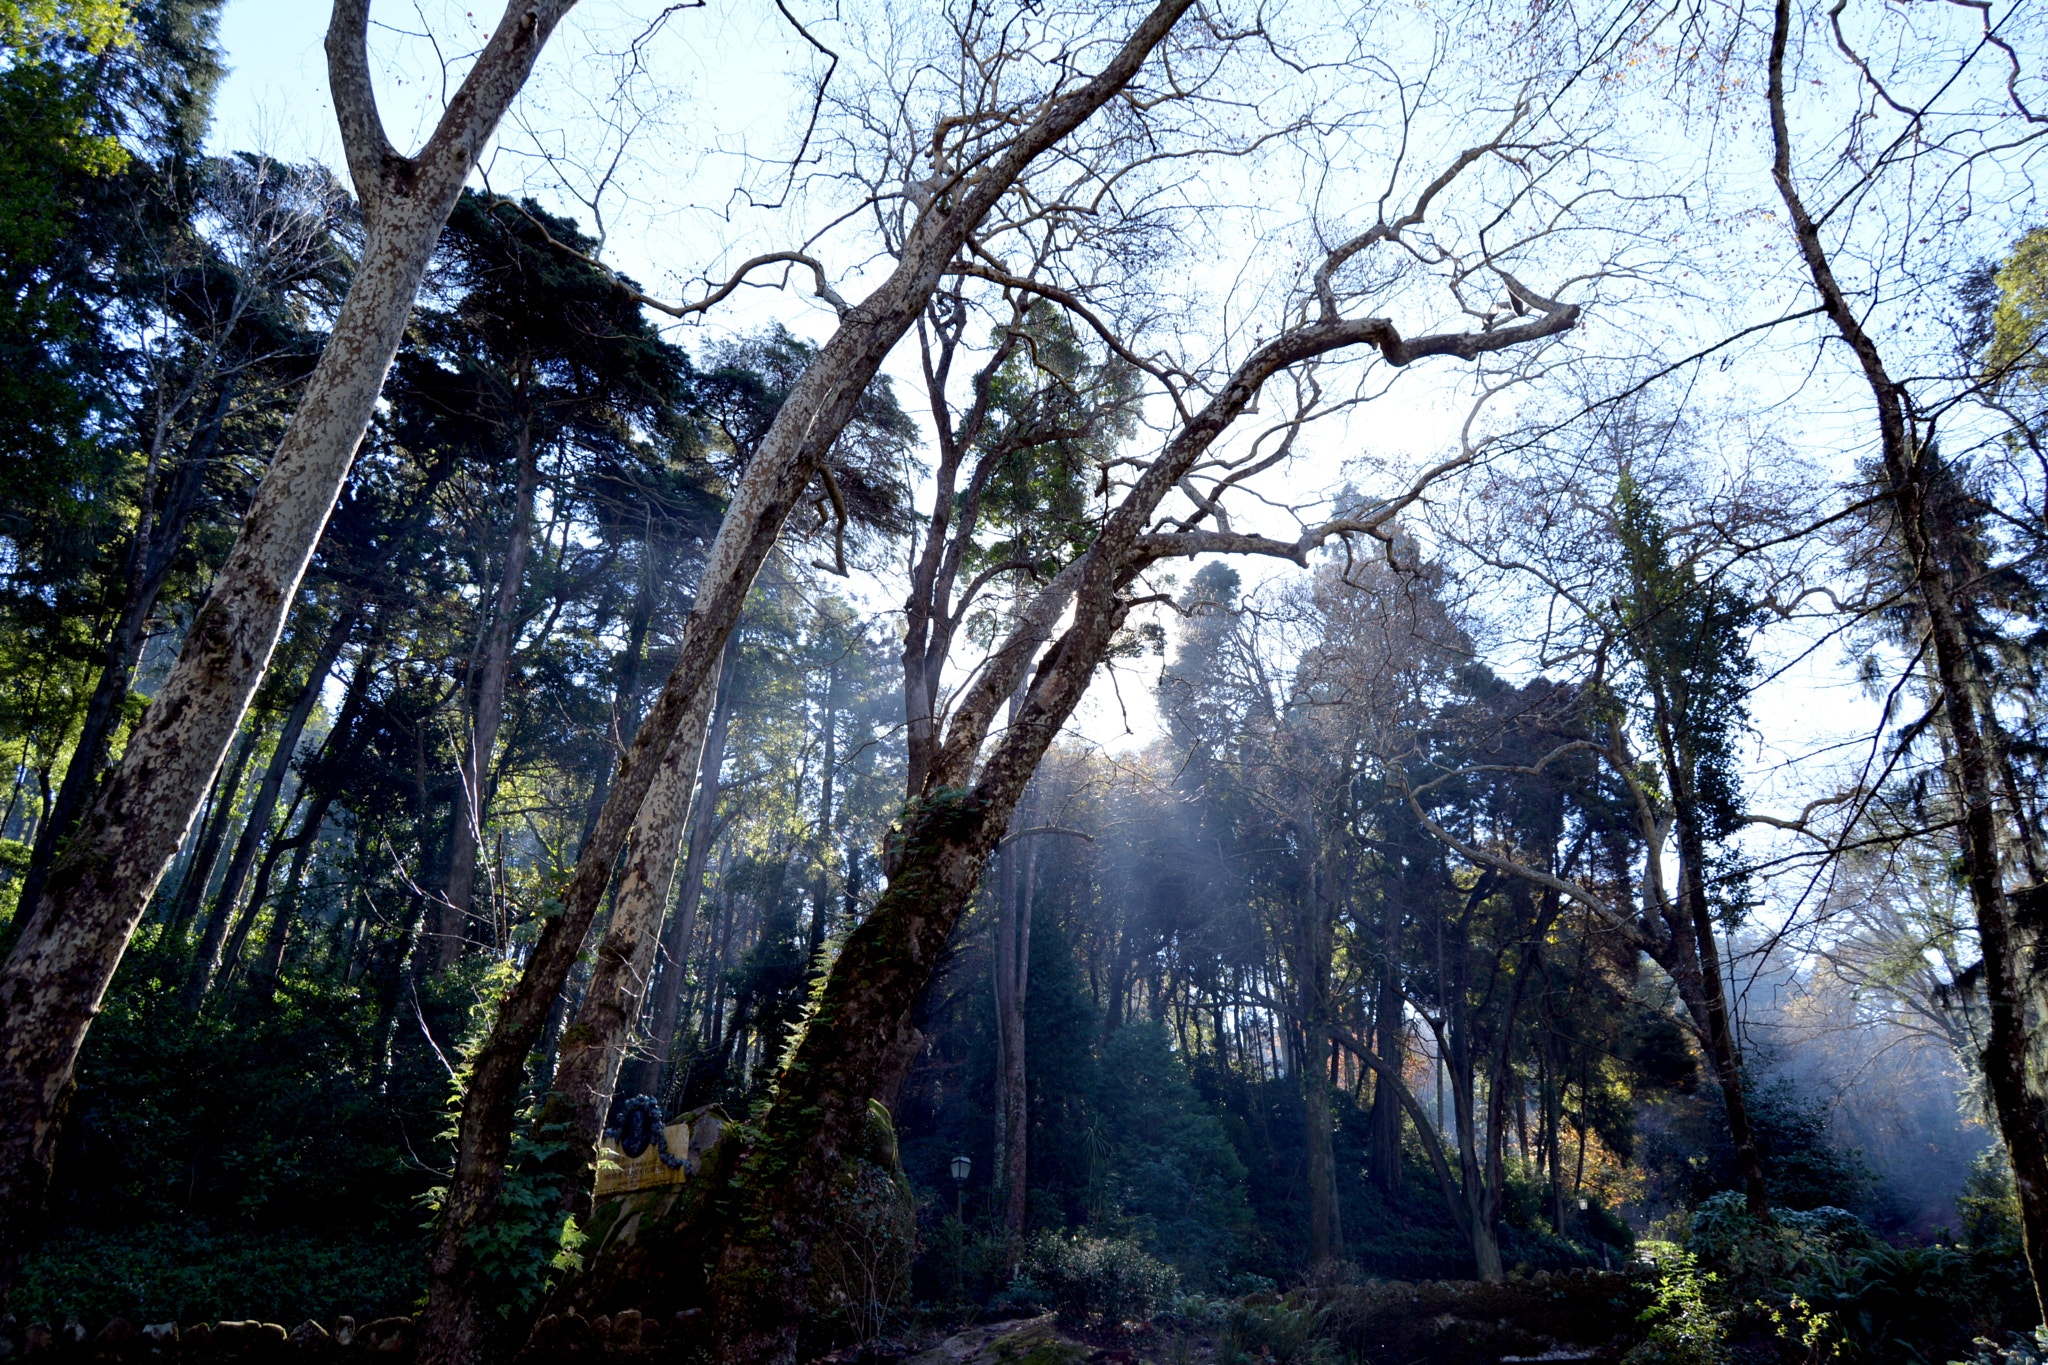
(73, 937)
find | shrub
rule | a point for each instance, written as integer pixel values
(1097, 1279)
(1684, 1328)
(1274, 1334)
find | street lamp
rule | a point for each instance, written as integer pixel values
(963, 1166)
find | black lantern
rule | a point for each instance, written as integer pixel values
(962, 1167)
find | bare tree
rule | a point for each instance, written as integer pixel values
(974, 163)
(1947, 145)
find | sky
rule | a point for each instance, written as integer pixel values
(653, 130)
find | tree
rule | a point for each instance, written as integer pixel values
(73, 937)
(1910, 471)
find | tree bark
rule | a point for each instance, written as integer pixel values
(75, 934)
(594, 1044)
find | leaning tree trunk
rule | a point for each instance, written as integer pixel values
(797, 443)
(73, 938)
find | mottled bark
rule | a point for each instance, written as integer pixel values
(2020, 1109)
(594, 1044)
(74, 936)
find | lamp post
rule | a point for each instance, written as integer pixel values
(963, 1166)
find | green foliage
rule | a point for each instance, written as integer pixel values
(95, 25)
(1104, 1280)
(1284, 1333)
(1989, 1206)
(193, 1272)
(1685, 1328)
(2014, 358)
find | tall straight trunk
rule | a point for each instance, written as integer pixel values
(2021, 1110)
(1719, 1033)
(263, 972)
(594, 1044)
(262, 806)
(784, 465)
(1325, 1240)
(682, 928)
(828, 764)
(199, 869)
(449, 923)
(155, 549)
(1013, 968)
(73, 937)
(1390, 1039)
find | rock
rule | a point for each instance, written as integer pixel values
(559, 1335)
(625, 1330)
(72, 1334)
(344, 1332)
(38, 1338)
(1035, 1341)
(198, 1339)
(311, 1341)
(232, 1338)
(115, 1339)
(390, 1335)
(161, 1337)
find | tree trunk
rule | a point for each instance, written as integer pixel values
(75, 934)
(1013, 974)
(809, 422)
(263, 972)
(199, 870)
(1390, 1039)
(595, 1042)
(149, 566)
(261, 807)
(449, 922)
(682, 930)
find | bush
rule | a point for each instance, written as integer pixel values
(1274, 1334)
(1097, 1279)
(1685, 1329)
(188, 1274)
(1756, 1257)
